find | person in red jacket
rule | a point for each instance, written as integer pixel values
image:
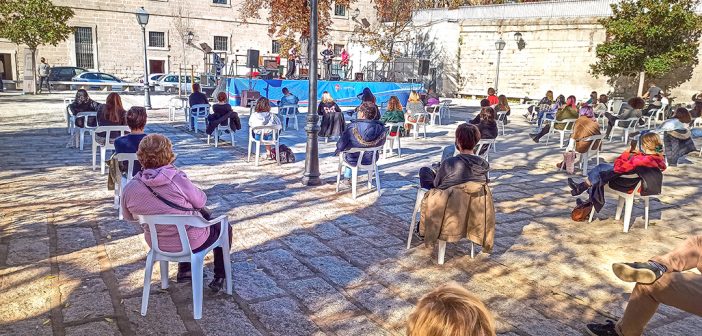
(648, 154)
(492, 98)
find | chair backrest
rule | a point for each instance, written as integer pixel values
(131, 158)
(361, 154)
(85, 116)
(637, 188)
(595, 143)
(274, 129)
(501, 116)
(109, 129)
(67, 101)
(627, 123)
(177, 102)
(697, 122)
(394, 126)
(288, 110)
(421, 117)
(201, 110)
(568, 123)
(180, 221)
(484, 145)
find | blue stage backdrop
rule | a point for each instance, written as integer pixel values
(343, 92)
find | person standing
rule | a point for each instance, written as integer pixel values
(2, 75)
(345, 57)
(292, 58)
(44, 75)
(653, 91)
(327, 58)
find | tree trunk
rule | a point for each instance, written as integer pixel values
(34, 70)
(642, 78)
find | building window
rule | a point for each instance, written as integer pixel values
(84, 48)
(157, 39)
(220, 43)
(275, 47)
(339, 10)
(220, 2)
(337, 49)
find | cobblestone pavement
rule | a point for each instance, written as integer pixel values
(309, 261)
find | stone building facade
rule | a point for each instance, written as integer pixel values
(109, 39)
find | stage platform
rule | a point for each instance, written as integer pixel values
(344, 92)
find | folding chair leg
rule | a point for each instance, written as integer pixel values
(248, 158)
(442, 252)
(94, 154)
(258, 152)
(103, 153)
(231, 133)
(620, 207)
(377, 181)
(647, 207)
(338, 177)
(148, 270)
(197, 280)
(627, 213)
(163, 265)
(354, 182)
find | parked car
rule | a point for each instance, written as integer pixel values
(169, 83)
(64, 73)
(98, 77)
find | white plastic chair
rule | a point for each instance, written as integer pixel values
(109, 144)
(483, 143)
(421, 119)
(501, 116)
(131, 158)
(626, 126)
(592, 151)
(85, 129)
(196, 260)
(372, 168)
(390, 139)
(445, 109)
(626, 203)
(220, 130)
(286, 113)
(656, 115)
(566, 130)
(175, 105)
(199, 113)
(697, 122)
(274, 130)
(68, 116)
(413, 224)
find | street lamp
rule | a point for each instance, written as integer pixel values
(311, 174)
(191, 36)
(143, 20)
(499, 45)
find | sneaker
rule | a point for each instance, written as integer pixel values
(597, 329)
(533, 137)
(641, 272)
(417, 234)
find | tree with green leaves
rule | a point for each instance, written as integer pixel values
(34, 23)
(649, 38)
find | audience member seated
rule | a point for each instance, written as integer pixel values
(696, 111)
(222, 114)
(136, 120)
(485, 121)
(492, 98)
(288, 99)
(540, 108)
(197, 97)
(677, 136)
(432, 98)
(550, 113)
(450, 310)
(593, 99)
(83, 103)
(653, 106)
(459, 169)
(414, 105)
(647, 161)
(601, 107)
(585, 126)
(364, 132)
(660, 280)
(110, 114)
(503, 106)
(367, 96)
(333, 123)
(569, 111)
(162, 189)
(630, 109)
(394, 114)
(262, 116)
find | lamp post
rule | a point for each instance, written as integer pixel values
(499, 45)
(143, 20)
(311, 174)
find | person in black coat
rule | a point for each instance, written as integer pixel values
(364, 132)
(83, 103)
(221, 114)
(486, 124)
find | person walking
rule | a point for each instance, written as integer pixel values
(44, 75)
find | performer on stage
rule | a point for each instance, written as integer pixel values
(327, 57)
(292, 58)
(345, 56)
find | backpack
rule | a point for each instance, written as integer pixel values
(286, 154)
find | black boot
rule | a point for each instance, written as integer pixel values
(534, 137)
(577, 189)
(216, 284)
(606, 329)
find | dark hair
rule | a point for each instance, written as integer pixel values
(603, 99)
(593, 94)
(683, 115)
(221, 96)
(136, 117)
(467, 136)
(484, 103)
(285, 90)
(487, 114)
(369, 109)
(636, 103)
(491, 91)
(196, 87)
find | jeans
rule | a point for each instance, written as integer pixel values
(696, 132)
(679, 290)
(347, 173)
(594, 175)
(42, 80)
(544, 115)
(218, 256)
(291, 70)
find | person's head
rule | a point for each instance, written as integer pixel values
(115, 111)
(636, 103)
(650, 143)
(394, 104)
(285, 91)
(491, 92)
(136, 118)
(196, 87)
(82, 96)
(549, 95)
(603, 99)
(263, 105)
(222, 97)
(329, 46)
(467, 136)
(155, 151)
(367, 110)
(487, 114)
(327, 97)
(593, 95)
(652, 84)
(683, 115)
(572, 101)
(43, 60)
(587, 111)
(502, 99)
(561, 100)
(484, 103)
(413, 97)
(450, 310)
(367, 96)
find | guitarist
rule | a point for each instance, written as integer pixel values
(327, 57)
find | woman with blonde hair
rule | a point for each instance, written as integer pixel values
(394, 114)
(262, 116)
(414, 105)
(450, 310)
(160, 181)
(333, 124)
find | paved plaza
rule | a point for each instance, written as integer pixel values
(310, 261)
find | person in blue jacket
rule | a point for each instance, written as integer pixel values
(364, 132)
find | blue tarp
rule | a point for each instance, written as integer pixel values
(343, 92)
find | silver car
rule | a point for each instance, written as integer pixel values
(169, 83)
